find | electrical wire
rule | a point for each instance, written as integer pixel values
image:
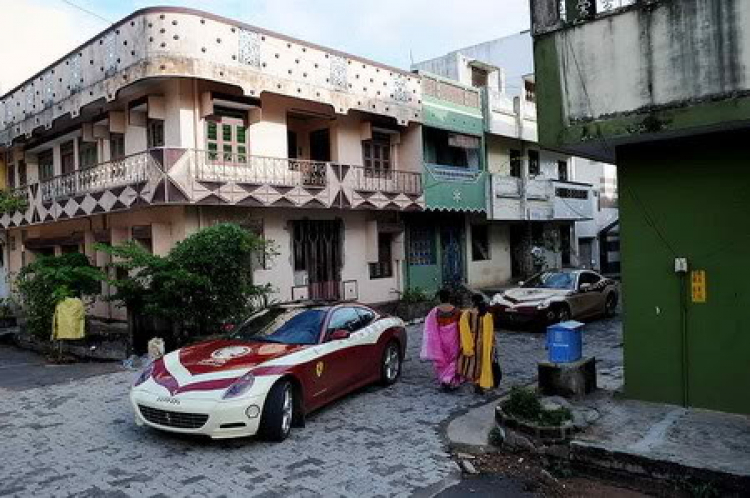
(87, 11)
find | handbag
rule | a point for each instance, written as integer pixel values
(497, 373)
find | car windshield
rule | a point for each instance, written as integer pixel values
(283, 325)
(551, 280)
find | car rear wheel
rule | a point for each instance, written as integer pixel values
(278, 412)
(390, 365)
(610, 306)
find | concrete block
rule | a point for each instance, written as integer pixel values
(567, 379)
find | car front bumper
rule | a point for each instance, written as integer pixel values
(223, 419)
(521, 315)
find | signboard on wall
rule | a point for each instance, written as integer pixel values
(698, 286)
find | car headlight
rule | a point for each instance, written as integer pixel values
(240, 386)
(543, 305)
(144, 375)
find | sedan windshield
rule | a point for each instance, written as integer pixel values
(285, 326)
(551, 280)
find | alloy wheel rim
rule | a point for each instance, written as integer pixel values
(287, 410)
(391, 363)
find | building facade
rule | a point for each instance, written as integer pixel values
(661, 87)
(451, 242)
(536, 197)
(175, 119)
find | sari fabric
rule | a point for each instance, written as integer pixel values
(440, 343)
(477, 348)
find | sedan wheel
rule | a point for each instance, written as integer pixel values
(391, 364)
(563, 314)
(278, 412)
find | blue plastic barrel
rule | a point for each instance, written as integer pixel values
(565, 342)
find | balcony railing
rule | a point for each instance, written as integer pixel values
(243, 168)
(129, 170)
(583, 9)
(386, 180)
(555, 14)
(189, 176)
(442, 172)
(507, 186)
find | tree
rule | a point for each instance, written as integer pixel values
(50, 279)
(204, 281)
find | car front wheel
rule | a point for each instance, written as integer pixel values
(390, 365)
(278, 412)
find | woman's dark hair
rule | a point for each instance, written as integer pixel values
(445, 296)
(479, 303)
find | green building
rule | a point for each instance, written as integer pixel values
(663, 88)
(441, 241)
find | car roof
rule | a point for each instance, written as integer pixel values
(316, 304)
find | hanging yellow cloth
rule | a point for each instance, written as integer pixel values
(468, 340)
(68, 321)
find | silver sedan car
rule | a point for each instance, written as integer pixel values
(553, 296)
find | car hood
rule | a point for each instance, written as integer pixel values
(530, 295)
(230, 354)
(214, 365)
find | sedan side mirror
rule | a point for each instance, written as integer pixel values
(584, 287)
(521, 283)
(339, 334)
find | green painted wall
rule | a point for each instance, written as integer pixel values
(687, 198)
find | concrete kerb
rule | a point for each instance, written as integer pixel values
(589, 458)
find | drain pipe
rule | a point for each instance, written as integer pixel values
(684, 343)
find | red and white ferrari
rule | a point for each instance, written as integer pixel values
(278, 366)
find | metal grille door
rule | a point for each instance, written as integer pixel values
(317, 250)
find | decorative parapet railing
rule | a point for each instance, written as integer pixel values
(187, 176)
(514, 199)
(507, 186)
(548, 15)
(247, 169)
(176, 42)
(449, 91)
(130, 170)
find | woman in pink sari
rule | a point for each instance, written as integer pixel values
(440, 343)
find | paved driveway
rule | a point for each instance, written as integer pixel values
(78, 438)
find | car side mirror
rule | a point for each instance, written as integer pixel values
(521, 283)
(339, 334)
(584, 287)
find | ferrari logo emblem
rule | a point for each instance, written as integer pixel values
(319, 368)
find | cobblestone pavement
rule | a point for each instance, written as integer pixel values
(79, 439)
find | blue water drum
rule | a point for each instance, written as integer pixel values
(565, 342)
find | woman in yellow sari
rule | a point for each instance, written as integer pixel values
(477, 333)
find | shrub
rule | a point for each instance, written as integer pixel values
(524, 404)
(414, 295)
(10, 202)
(204, 281)
(50, 279)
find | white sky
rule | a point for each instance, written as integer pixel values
(388, 31)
